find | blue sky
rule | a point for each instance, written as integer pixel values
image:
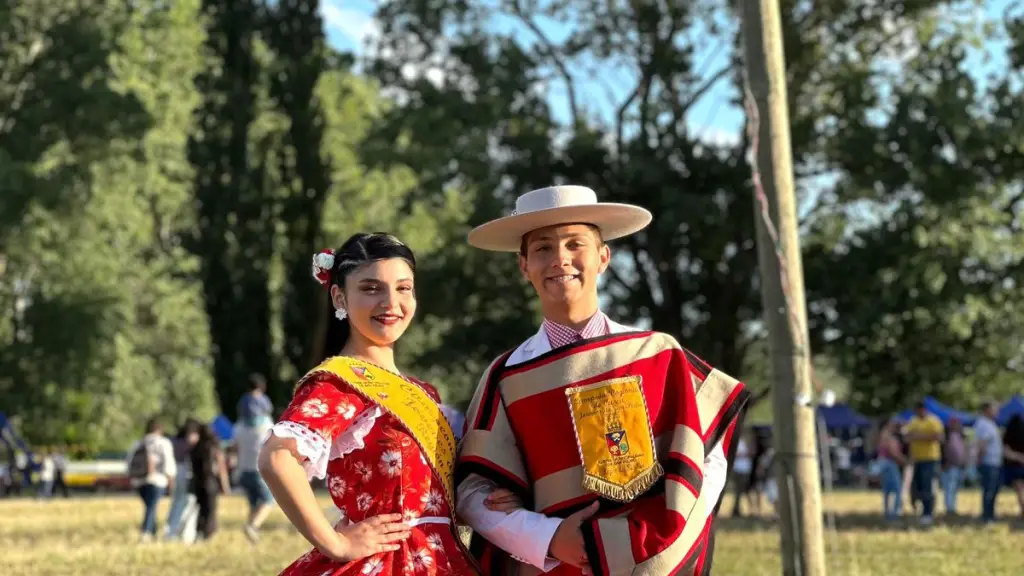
(348, 22)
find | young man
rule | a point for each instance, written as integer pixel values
(593, 447)
(254, 407)
(989, 446)
(925, 434)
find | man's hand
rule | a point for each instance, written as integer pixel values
(567, 543)
(502, 500)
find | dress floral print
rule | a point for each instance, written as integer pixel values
(372, 467)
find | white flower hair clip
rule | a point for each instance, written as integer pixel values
(323, 263)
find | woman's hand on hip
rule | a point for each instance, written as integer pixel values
(371, 536)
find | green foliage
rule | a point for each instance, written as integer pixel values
(879, 97)
(278, 179)
(103, 324)
(58, 110)
(926, 234)
(168, 169)
(476, 119)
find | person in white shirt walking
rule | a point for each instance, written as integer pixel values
(592, 444)
(47, 473)
(151, 470)
(743, 472)
(989, 448)
(249, 440)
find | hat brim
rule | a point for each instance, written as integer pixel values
(613, 220)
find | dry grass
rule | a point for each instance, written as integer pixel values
(96, 536)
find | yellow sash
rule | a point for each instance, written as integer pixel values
(409, 404)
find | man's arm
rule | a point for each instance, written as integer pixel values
(524, 534)
(716, 470)
(980, 439)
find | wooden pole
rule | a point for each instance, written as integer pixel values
(796, 458)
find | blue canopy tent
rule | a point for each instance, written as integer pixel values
(1013, 407)
(942, 412)
(842, 416)
(223, 428)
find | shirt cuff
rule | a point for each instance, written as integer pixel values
(523, 534)
(544, 533)
(716, 468)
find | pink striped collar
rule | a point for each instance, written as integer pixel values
(559, 335)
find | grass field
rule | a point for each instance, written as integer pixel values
(97, 536)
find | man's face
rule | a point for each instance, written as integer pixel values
(563, 262)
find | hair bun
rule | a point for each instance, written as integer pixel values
(323, 263)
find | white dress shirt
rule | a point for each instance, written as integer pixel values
(526, 535)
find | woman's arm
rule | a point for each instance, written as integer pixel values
(1012, 454)
(222, 472)
(286, 478)
(279, 465)
(896, 450)
(297, 450)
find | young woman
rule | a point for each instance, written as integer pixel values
(379, 437)
(892, 461)
(209, 480)
(188, 436)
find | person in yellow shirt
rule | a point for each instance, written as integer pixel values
(925, 434)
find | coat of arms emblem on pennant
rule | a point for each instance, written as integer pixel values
(617, 443)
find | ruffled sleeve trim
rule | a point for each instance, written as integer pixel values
(353, 438)
(312, 447)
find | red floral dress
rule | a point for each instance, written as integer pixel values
(373, 467)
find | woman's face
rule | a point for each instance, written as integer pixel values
(380, 299)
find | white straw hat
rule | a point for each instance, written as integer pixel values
(554, 206)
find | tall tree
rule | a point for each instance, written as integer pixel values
(102, 318)
(233, 236)
(47, 114)
(474, 84)
(475, 118)
(294, 32)
(928, 232)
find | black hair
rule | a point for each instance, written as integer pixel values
(153, 425)
(257, 382)
(359, 249)
(207, 436)
(190, 426)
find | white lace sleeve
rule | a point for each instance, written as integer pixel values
(312, 446)
(352, 438)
